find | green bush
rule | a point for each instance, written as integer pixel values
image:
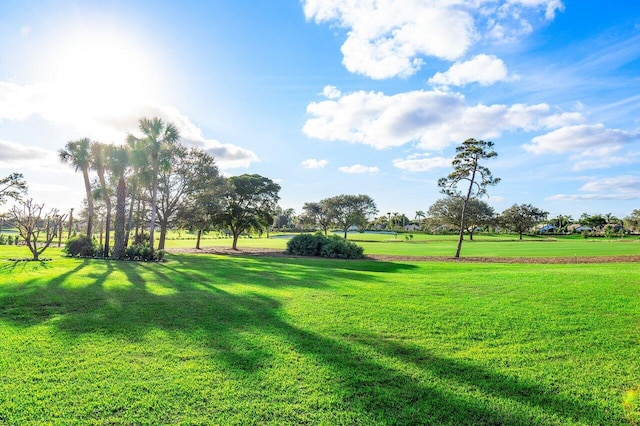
(319, 245)
(143, 252)
(306, 244)
(81, 246)
(340, 248)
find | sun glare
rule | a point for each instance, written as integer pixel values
(101, 68)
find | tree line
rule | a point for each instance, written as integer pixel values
(157, 183)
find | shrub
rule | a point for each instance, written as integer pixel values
(342, 249)
(82, 246)
(319, 245)
(143, 252)
(306, 244)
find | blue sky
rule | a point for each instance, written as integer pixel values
(329, 97)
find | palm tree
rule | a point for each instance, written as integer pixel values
(78, 154)
(140, 175)
(118, 163)
(99, 160)
(157, 135)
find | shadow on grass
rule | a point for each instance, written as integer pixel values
(193, 296)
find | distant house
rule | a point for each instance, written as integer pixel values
(583, 229)
(411, 227)
(548, 228)
(573, 227)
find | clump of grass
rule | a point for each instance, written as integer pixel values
(631, 405)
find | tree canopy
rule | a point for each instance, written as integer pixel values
(350, 210)
(521, 218)
(247, 203)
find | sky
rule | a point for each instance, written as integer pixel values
(330, 97)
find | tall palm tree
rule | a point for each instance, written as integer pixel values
(118, 164)
(140, 175)
(157, 135)
(78, 154)
(99, 160)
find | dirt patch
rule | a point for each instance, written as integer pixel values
(389, 258)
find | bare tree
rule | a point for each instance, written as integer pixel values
(38, 230)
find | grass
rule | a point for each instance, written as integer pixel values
(258, 340)
(483, 245)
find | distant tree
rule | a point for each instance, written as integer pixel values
(78, 154)
(594, 221)
(448, 211)
(351, 210)
(12, 186)
(283, 217)
(467, 168)
(521, 218)
(37, 230)
(632, 222)
(183, 172)
(318, 214)
(247, 203)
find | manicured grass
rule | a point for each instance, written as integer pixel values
(249, 340)
(483, 245)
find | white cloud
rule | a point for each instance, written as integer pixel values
(432, 119)
(331, 92)
(421, 163)
(604, 162)
(614, 188)
(483, 69)
(584, 137)
(14, 155)
(312, 163)
(359, 169)
(94, 119)
(389, 38)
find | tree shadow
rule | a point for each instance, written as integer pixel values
(192, 297)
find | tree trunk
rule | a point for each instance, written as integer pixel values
(134, 190)
(198, 239)
(107, 202)
(70, 224)
(87, 187)
(236, 235)
(154, 200)
(520, 234)
(163, 234)
(119, 245)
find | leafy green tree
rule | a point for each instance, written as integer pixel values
(351, 210)
(13, 186)
(594, 221)
(467, 169)
(78, 154)
(632, 222)
(37, 229)
(157, 135)
(521, 218)
(318, 214)
(184, 173)
(247, 203)
(448, 211)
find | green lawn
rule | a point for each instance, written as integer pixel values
(255, 340)
(483, 245)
